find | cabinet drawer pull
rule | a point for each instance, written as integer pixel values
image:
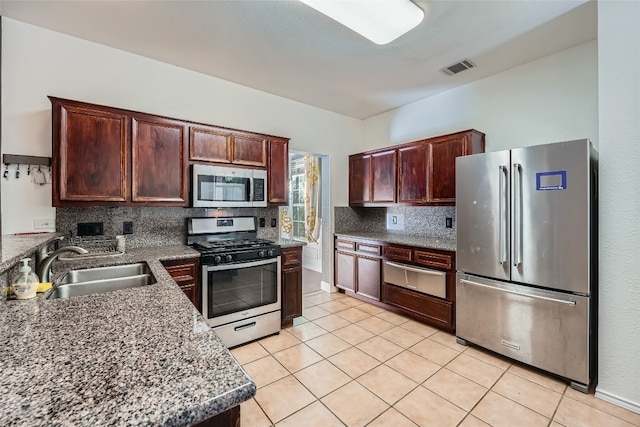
(415, 269)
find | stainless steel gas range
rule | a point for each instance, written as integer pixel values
(240, 278)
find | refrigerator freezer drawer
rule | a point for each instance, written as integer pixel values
(548, 330)
(417, 279)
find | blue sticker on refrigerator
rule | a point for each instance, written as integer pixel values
(552, 180)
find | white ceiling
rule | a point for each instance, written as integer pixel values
(286, 48)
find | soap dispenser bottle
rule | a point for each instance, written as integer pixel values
(25, 284)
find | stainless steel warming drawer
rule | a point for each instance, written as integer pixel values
(419, 279)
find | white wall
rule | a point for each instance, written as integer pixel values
(619, 104)
(551, 99)
(38, 62)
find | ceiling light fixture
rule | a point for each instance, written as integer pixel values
(381, 21)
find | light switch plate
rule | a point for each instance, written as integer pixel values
(40, 224)
(395, 222)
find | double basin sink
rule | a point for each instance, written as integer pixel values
(102, 279)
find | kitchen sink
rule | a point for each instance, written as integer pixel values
(103, 279)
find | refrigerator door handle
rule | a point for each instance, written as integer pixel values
(502, 214)
(517, 214)
(469, 282)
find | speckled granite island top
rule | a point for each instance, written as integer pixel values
(404, 239)
(134, 357)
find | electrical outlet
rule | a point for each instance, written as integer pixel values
(39, 224)
(395, 222)
(273, 222)
(127, 227)
(262, 222)
(449, 222)
(90, 229)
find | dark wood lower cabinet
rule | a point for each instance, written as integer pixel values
(291, 296)
(345, 271)
(228, 418)
(369, 277)
(424, 307)
(357, 268)
(186, 273)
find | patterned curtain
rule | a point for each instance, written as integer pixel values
(312, 198)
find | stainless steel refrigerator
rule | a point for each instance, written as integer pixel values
(527, 256)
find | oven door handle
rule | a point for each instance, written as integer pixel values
(241, 265)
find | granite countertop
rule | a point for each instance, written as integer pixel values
(289, 243)
(142, 356)
(14, 248)
(404, 239)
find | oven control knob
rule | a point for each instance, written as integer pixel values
(217, 259)
(229, 258)
(270, 252)
(261, 254)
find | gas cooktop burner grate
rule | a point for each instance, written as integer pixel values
(226, 245)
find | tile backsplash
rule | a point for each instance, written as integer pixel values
(415, 220)
(154, 226)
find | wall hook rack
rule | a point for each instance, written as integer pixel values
(12, 159)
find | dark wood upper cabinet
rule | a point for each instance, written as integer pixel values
(209, 144)
(90, 154)
(426, 170)
(412, 173)
(158, 161)
(383, 186)
(278, 171)
(250, 150)
(359, 179)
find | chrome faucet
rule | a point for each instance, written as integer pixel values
(44, 267)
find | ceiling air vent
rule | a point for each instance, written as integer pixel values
(458, 67)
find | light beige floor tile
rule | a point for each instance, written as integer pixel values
(353, 334)
(538, 377)
(489, 357)
(334, 306)
(352, 302)
(499, 411)
(328, 344)
(380, 348)
(354, 362)
(472, 421)
(306, 303)
(555, 424)
(299, 320)
(331, 322)
(316, 298)
(322, 378)
(265, 371)
(476, 370)
(572, 413)
(609, 408)
(387, 383)
(455, 388)
(354, 404)
(419, 328)
(353, 314)
(434, 351)
(375, 325)
(314, 415)
(391, 317)
(413, 366)
(527, 393)
(282, 398)
(391, 418)
(306, 331)
(315, 312)
(297, 357)
(337, 295)
(403, 337)
(445, 338)
(249, 352)
(426, 408)
(371, 309)
(276, 343)
(252, 415)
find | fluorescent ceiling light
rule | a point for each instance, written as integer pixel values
(381, 21)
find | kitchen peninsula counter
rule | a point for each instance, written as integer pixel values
(141, 356)
(403, 239)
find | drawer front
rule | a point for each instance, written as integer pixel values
(345, 245)
(399, 254)
(180, 270)
(432, 259)
(291, 257)
(368, 248)
(432, 309)
(418, 279)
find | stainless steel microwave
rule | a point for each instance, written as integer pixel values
(228, 187)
